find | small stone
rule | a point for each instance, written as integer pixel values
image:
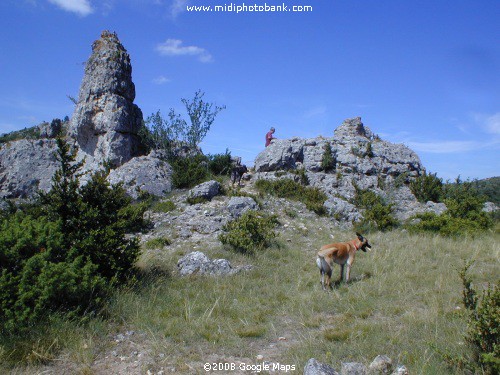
(382, 364)
(401, 370)
(314, 367)
(353, 368)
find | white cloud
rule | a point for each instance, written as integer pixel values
(315, 112)
(177, 7)
(160, 80)
(174, 47)
(492, 124)
(81, 7)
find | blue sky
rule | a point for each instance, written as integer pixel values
(423, 73)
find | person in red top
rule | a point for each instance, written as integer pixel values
(269, 136)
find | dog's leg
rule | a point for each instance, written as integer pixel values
(349, 265)
(341, 272)
(329, 278)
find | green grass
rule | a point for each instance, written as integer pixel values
(312, 197)
(402, 300)
(157, 243)
(163, 206)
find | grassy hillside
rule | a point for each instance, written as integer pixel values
(404, 298)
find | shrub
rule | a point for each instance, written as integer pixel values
(490, 188)
(483, 333)
(66, 251)
(377, 214)
(464, 215)
(427, 187)
(35, 280)
(189, 171)
(220, 164)
(249, 233)
(327, 161)
(313, 198)
(369, 150)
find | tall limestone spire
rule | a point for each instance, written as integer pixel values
(106, 121)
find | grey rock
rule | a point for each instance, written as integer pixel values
(106, 121)
(191, 263)
(281, 154)
(353, 368)
(237, 206)
(437, 208)
(145, 173)
(206, 190)
(198, 263)
(490, 207)
(353, 128)
(27, 166)
(342, 210)
(313, 367)
(401, 370)
(382, 364)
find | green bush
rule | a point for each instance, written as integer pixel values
(249, 233)
(220, 164)
(489, 188)
(447, 225)
(327, 160)
(63, 253)
(464, 215)
(313, 198)
(189, 171)
(369, 150)
(427, 187)
(483, 324)
(377, 214)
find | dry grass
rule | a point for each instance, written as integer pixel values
(404, 297)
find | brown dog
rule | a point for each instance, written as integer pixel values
(340, 253)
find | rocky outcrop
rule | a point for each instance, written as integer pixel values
(144, 174)
(106, 121)
(27, 166)
(358, 158)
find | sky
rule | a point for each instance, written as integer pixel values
(423, 73)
